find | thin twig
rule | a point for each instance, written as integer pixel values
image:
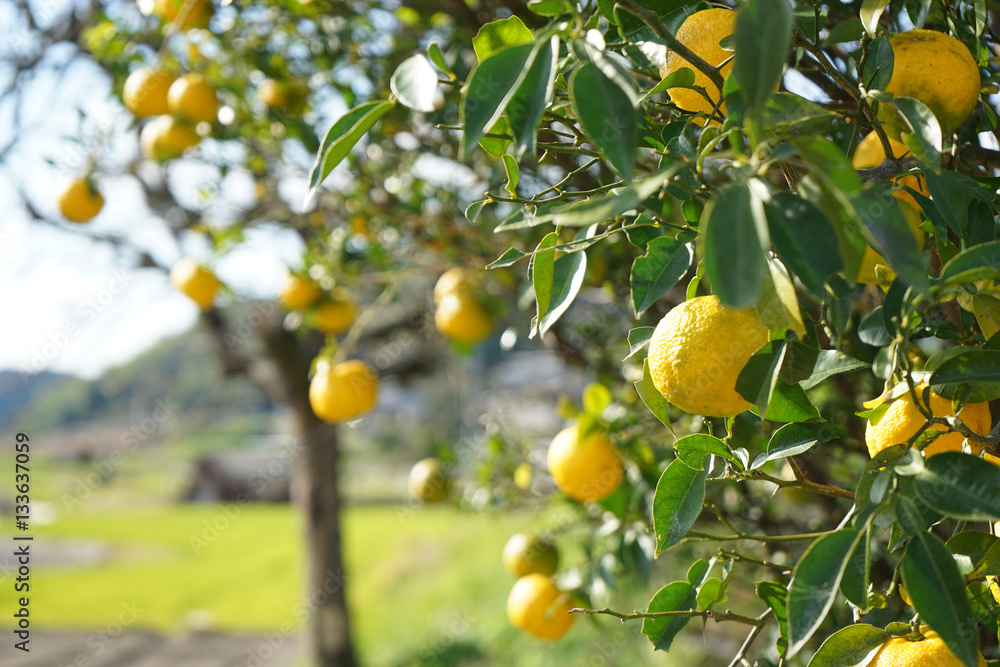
(717, 616)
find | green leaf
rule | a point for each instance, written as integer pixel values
(789, 403)
(829, 363)
(871, 10)
(568, 274)
(792, 440)
(490, 86)
(596, 398)
(775, 596)
(732, 246)
(777, 304)
(972, 373)
(526, 107)
(892, 237)
(638, 338)
(925, 141)
(543, 275)
(414, 83)
(497, 34)
(974, 544)
(341, 138)
(851, 646)
(711, 593)
(681, 78)
(758, 378)
(937, 589)
(803, 236)
(763, 37)
(434, 53)
(960, 486)
(548, 7)
(651, 397)
(977, 263)
(676, 596)
(508, 258)
(606, 114)
(496, 146)
(854, 584)
(677, 503)
(692, 450)
(878, 65)
(828, 161)
(989, 563)
(814, 584)
(513, 174)
(653, 274)
(606, 208)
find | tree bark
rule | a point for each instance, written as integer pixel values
(329, 635)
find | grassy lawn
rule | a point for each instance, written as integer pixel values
(425, 587)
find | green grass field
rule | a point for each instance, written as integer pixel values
(425, 587)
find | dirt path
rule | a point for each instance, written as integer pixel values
(148, 649)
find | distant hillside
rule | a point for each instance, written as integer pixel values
(182, 372)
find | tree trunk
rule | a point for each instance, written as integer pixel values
(329, 633)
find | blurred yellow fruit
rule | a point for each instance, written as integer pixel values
(190, 98)
(145, 91)
(698, 350)
(936, 69)
(344, 391)
(428, 481)
(587, 470)
(165, 138)
(286, 96)
(530, 553)
(461, 318)
(536, 606)
(299, 293)
(336, 314)
(522, 475)
(701, 32)
(930, 651)
(198, 12)
(454, 280)
(901, 421)
(194, 280)
(80, 200)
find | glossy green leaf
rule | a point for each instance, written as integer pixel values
(676, 596)
(871, 10)
(490, 86)
(960, 486)
(757, 380)
(892, 237)
(794, 439)
(341, 138)
(775, 596)
(568, 274)
(414, 83)
(878, 66)
(814, 584)
(677, 503)
(606, 113)
(692, 450)
(495, 35)
(651, 397)
(789, 403)
(526, 107)
(680, 78)
(778, 305)
(802, 236)
(763, 38)
(977, 263)
(508, 258)
(434, 53)
(937, 590)
(513, 174)
(638, 338)
(925, 140)
(973, 373)
(735, 263)
(851, 646)
(653, 274)
(606, 208)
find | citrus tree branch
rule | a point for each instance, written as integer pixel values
(717, 616)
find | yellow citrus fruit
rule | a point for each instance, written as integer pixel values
(936, 69)
(455, 280)
(701, 32)
(287, 96)
(587, 470)
(930, 651)
(80, 200)
(336, 314)
(190, 98)
(198, 12)
(536, 606)
(530, 553)
(271, 93)
(698, 350)
(866, 272)
(428, 481)
(145, 91)
(462, 318)
(194, 280)
(165, 138)
(901, 420)
(869, 154)
(298, 293)
(344, 391)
